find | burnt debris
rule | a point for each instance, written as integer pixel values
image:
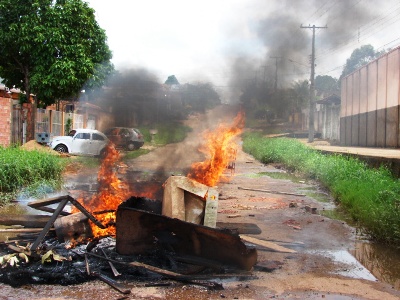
(161, 250)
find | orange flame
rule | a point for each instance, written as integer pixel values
(219, 148)
(112, 192)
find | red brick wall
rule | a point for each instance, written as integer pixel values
(5, 121)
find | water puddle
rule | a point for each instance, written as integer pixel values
(382, 261)
(353, 268)
(280, 175)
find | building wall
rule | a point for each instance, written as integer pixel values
(330, 129)
(370, 104)
(6, 121)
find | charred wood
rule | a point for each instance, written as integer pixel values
(140, 231)
(111, 282)
(240, 228)
(165, 273)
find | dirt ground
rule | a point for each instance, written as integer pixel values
(318, 269)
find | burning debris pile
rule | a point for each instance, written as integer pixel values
(114, 234)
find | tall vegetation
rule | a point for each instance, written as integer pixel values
(27, 170)
(370, 195)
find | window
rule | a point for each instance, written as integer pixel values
(115, 131)
(83, 136)
(97, 137)
(124, 132)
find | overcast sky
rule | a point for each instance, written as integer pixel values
(203, 40)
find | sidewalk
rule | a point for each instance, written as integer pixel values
(374, 157)
(322, 145)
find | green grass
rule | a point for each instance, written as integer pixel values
(135, 153)
(30, 172)
(166, 133)
(371, 196)
(86, 161)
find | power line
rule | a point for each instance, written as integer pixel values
(380, 23)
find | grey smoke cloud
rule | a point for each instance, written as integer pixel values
(280, 33)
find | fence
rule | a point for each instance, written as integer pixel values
(371, 104)
(56, 123)
(18, 128)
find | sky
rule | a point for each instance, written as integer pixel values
(228, 42)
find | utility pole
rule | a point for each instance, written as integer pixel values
(264, 76)
(312, 85)
(276, 71)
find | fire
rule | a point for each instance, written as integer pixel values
(219, 149)
(112, 192)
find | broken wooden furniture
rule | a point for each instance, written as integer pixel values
(62, 202)
(190, 201)
(138, 231)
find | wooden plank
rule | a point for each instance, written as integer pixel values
(32, 221)
(271, 192)
(266, 244)
(122, 288)
(44, 202)
(86, 212)
(52, 210)
(20, 230)
(50, 223)
(138, 232)
(166, 273)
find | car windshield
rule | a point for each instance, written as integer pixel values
(72, 133)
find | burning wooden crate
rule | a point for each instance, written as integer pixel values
(140, 232)
(186, 225)
(190, 201)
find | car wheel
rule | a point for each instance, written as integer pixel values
(61, 148)
(130, 146)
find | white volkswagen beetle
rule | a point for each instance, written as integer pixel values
(81, 142)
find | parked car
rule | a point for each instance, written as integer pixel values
(81, 142)
(124, 137)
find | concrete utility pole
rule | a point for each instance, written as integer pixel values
(312, 85)
(264, 76)
(276, 71)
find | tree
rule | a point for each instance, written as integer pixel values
(171, 80)
(360, 57)
(300, 95)
(326, 85)
(52, 48)
(199, 97)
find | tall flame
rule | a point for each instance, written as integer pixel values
(219, 149)
(112, 192)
